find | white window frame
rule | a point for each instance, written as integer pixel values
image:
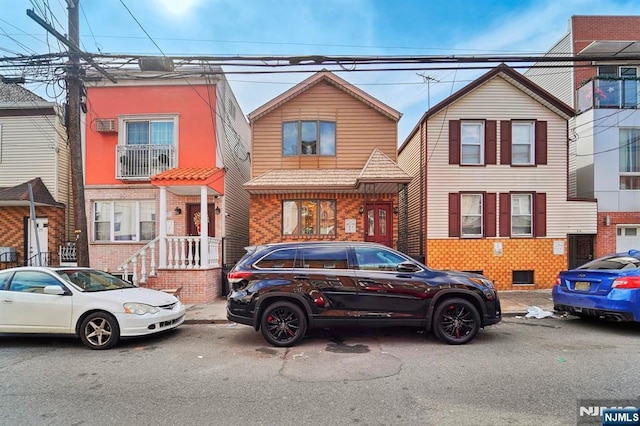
(115, 226)
(530, 125)
(473, 214)
(624, 147)
(322, 140)
(516, 212)
(124, 119)
(294, 211)
(479, 143)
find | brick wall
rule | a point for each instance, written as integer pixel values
(586, 29)
(198, 286)
(517, 254)
(14, 234)
(606, 238)
(265, 217)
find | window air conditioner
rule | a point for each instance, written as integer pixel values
(106, 125)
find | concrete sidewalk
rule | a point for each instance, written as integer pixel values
(513, 302)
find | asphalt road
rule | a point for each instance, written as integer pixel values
(519, 372)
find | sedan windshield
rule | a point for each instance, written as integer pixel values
(613, 262)
(93, 280)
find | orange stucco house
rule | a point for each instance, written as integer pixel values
(165, 155)
(324, 165)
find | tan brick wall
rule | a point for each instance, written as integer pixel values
(606, 238)
(265, 217)
(517, 254)
(13, 233)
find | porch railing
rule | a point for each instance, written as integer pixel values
(140, 162)
(609, 92)
(182, 253)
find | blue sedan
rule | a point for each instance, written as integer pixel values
(607, 287)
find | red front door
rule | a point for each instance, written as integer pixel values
(378, 224)
(193, 220)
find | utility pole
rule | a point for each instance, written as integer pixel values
(74, 87)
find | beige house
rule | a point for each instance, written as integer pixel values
(324, 165)
(490, 193)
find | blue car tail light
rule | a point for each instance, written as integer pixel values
(626, 283)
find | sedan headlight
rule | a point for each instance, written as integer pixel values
(139, 308)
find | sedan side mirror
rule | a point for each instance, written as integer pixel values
(408, 266)
(54, 289)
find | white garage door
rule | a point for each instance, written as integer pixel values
(628, 238)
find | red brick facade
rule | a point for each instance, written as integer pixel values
(13, 231)
(586, 29)
(607, 228)
(265, 217)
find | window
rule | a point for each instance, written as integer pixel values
(471, 215)
(124, 220)
(284, 258)
(325, 258)
(522, 277)
(629, 153)
(377, 259)
(521, 215)
(309, 138)
(146, 146)
(32, 282)
(149, 132)
(309, 217)
(472, 142)
(522, 139)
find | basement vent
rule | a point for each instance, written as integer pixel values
(106, 125)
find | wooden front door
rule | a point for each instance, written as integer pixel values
(193, 220)
(378, 223)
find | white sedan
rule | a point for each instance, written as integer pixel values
(92, 304)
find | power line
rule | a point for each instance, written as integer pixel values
(141, 27)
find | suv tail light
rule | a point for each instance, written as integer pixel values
(626, 282)
(237, 276)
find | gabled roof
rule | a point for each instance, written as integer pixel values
(510, 75)
(11, 93)
(19, 195)
(328, 77)
(378, 169)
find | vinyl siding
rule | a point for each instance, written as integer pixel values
(557, 81)
(233, 139)
(29, 145)
(499, 100)
(409, 160)
(359, 129)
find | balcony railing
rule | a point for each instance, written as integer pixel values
(609, 92)
(140, 162)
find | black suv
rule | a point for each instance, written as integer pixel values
(283, 289)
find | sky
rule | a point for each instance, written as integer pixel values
(308, 27)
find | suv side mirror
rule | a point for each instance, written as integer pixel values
(408, 266)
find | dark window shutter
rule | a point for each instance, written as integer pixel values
(541, 142)
(490, 142)
(505, 142)
(454, 214)
(505, 215)
(540, 217)
(454, 141)
(490, 214)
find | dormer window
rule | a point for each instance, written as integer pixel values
(309, 138)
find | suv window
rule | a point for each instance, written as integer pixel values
(325, 258)
(378, 259)
(283, 258)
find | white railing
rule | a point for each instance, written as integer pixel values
(181, 253)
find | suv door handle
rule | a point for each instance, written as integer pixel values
(301, 277)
